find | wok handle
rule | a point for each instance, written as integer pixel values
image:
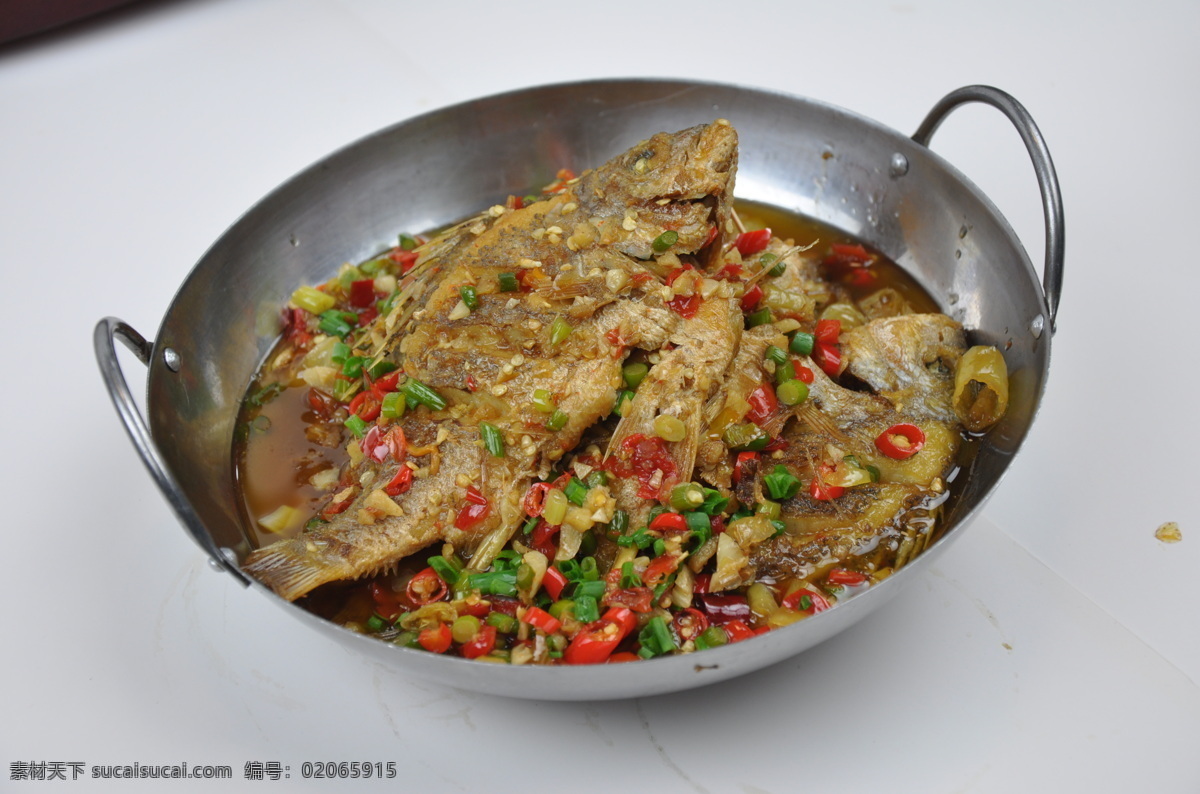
(1043, 166)
(104, 339)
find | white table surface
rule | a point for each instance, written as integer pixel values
(1053, 648)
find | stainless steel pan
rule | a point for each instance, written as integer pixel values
(795, 153)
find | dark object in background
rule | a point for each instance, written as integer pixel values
(21, 18)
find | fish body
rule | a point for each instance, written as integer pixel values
(585, 257)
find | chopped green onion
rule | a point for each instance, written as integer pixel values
(265, 394)
(776, 354)
(765, 261)
(557, 421)
(619, 523)
(559, 607)
(313, 300)
(374, 266)
(656, 637)
(407, 639)
(505, 624)
(792, 392)
(746, 437)
(711, 637)
(781, 484)
(445, 569)
(569, 569)
(336, 323)
(525, 575)
(591, 588)
(407, 242)
(543, 401)
(768, 508)
(576, 491)
(642, 538)
(597, 478)
(508, 282)
(785, 372)
(623, 396)
(554, 508)
(469, 296)
(687, 496)
(376, 623)
(506, 560)
(356, 425)
(713, 502)
(802, 343)
(493, 439)
(634, 373)
(464, 628)
(701, 527)
(629, 577)
(660, 547)
(586, 609)
(664, 241)
(423, 395)
(352, 367)
(589, 570)
(380, 368)
(343, 389)
(760, 317)
(341, 351)
(560, 329)
(530, 526)
(348, 277)
(392, 405)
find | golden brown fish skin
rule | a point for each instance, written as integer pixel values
(579, 261)
(910, 360)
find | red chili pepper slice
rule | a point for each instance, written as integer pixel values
(660, 568)
(675, 274)
(816, 601)
(901, 441)
(751, 299)
(471, 515)
(828, 331)
(481, 644)
(847, 254)
(700, 587)
(737, 631)
(636, 599)
(366, 405)
(712, 235)
(690, 623)
(554, 581)
(723, 608)
(822, 491)
(750, 243)
(845, 577)
(475, 497)
(435, 639)
(322, 404)
(669, 522)
(426, 587)
(387, 383)
(623, 618)
(386, 603)
(406, 259)
(542, 538)
(762, 404)
(535, 499)
(803, 373)
(686, 306)
(623, 656)
(594, 644)
(828, 358)
(379, 443)
(295, 323)
(541, 620)
(400, 483)
(362, 292)
(742, 464)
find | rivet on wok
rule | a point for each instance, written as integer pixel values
(171, 359)
(1037, 326)
(215, 565)
(899, 164)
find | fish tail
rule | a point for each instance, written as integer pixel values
(290, 569)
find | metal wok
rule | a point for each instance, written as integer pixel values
(796, 153)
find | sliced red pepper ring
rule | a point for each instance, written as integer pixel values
(362, 292)
(669, 522)
(796, 600)
(541, 620)
(366, 405)
(481, 644)
(435, 639)
(426, 587)
(762, 404)
(542, 538)
(822, 491)
(690, 623)
(828, 358)
(737, 631)
(554, 581)
(828, 331)
(535, 499)
(900, 441)
(844, 577)
(746, 463)
(597, 641)
(751, 298)
(750, 243)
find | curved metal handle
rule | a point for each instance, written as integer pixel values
(107, 331)
(1043, 166)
